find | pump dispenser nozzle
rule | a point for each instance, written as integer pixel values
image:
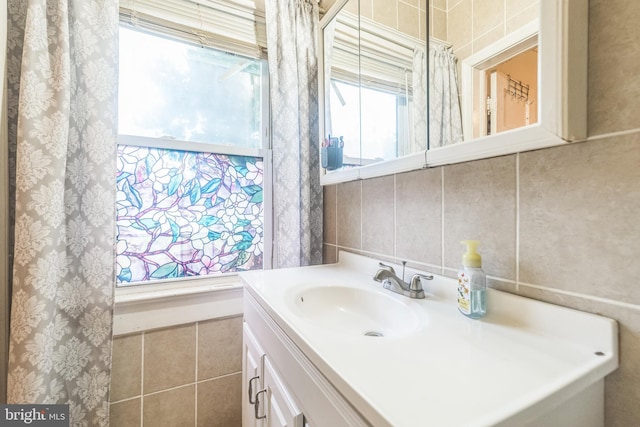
(471, 258)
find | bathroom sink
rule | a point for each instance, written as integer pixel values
(355, 311)
(527, 363)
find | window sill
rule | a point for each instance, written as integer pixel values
(146, 307)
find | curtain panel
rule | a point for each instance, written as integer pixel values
(293, 72)
(419, 105)
(62, 114)
(445, 117)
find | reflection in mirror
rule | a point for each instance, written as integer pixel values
(483, 68)
(510, 102)
(374, 85)
(341, 146)
(500, 83)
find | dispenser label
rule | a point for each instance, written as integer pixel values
(464, 292)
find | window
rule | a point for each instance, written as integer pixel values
(191, 163)
(378, 124)
(170, 88)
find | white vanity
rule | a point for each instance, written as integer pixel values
(328, 346)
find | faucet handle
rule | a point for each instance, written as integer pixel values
(387, 267)
(416, 284)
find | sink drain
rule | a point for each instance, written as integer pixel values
(373, 334)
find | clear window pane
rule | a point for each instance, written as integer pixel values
(345, 116)
(182, 213)
(174, 89)
(377, 124)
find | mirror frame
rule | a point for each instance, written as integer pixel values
(562, 105)
(562, 88)
(400, 164)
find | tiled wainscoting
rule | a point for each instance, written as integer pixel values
(188, 375)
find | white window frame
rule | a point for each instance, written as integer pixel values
(163, 303)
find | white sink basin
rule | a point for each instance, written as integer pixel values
(355, 311)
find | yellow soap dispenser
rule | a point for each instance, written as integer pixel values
(472, 283)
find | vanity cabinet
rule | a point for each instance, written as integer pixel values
(286, 388)
(280, 406)
(266, 400)
(252, 377)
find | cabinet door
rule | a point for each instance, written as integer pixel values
(252, 377)
(281, 408)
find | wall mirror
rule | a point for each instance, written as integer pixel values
(507, 76)
(503, 76)
(373, 79)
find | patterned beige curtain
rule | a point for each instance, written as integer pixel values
(293, 73)
(419, 105)
(445, 117)
(62, 109)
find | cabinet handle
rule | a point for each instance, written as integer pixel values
(251, 400)
(256, 408)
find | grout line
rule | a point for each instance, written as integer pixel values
(193, 383)
(170, 389)
(497, 278)
(442, 220)
(142, 381)
(219, 377)
(361, 218)
(395, 215)
(195, 375)
(504, 17)
(387, 256)
(611, 135)
(397, 15)
(139, 396)
(583, 296)
(563, 292)
(473, 33)
(335, 222)
(517, 221)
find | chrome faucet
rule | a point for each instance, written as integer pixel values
(387, 275)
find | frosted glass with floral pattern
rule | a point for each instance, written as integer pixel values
(182, 213)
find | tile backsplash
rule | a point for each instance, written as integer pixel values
(559, 225)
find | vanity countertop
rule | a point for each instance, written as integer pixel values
(522, 359)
